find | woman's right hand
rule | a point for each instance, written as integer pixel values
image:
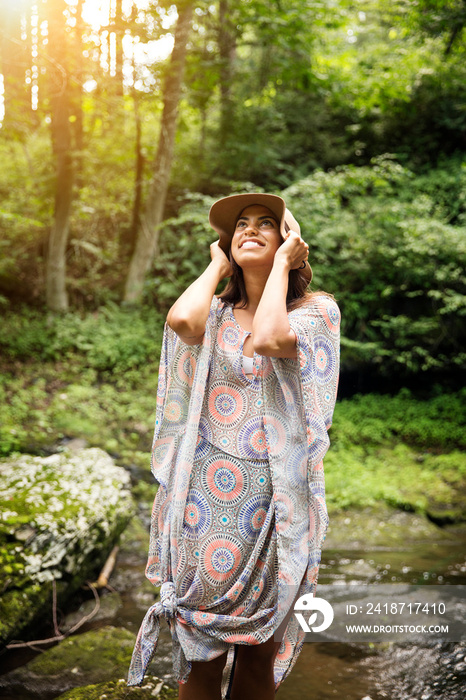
(218, 256)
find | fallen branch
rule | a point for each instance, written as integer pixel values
(102, 581)
(60, 637)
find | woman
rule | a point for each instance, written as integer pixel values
(247, 386)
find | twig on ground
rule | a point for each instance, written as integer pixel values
(102, 581)
(60, 637)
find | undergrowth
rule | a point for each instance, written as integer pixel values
(95, 378)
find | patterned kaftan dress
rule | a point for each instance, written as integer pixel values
(240, 517)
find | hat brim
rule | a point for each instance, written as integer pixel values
(225, 212)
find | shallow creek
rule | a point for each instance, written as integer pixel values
(378, 546)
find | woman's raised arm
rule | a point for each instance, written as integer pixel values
(188, 315)
(271, 332)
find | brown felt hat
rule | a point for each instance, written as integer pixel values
(225, 213)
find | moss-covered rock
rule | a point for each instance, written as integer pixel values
(117, 690)
(60, 517)
(94, 657)
(380, 527)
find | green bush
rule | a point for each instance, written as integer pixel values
(110, 340)
(380, 243)
(373, 420)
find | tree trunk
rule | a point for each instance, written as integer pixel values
(78, 95)
(148, 232)
(119, 33)
(136, 219)
(16, 59)
(227, 46)
(59, 91)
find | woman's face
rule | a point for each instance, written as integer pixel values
(256, 238)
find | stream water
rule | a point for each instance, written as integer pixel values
(401, 548)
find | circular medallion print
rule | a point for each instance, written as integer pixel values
(203, 445)
(252, 516)
(203, 618)
(228, 337)
(262, 481)
(220, 558)
(190, 587)
(324, 359)
(268, 579)
(197, 515)
(161, 386)
(165, 513)
(296, 467)
(184, 367)
(305, 364)
(227, 407)
(331, 315)
(226, 520)
(285, 507)
(224, 478)
(278, 436)
(175, 408)
(286, 393)
(316, 435)
(162, 451)
(251, 442)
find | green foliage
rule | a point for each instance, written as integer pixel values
(405, 452)
(99, 358)
(400, 477)
(109, 340)
(118, 690)
(40, 408)
(380, 243)
(372, 420)
(273, 98)
(25, 196)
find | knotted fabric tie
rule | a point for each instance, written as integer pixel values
(168, 599)
(148, 636)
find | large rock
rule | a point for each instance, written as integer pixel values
(152, 688)
(60, 517)
(98, 656)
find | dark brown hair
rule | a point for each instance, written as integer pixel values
(235, 291)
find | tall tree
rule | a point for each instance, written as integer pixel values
(77, 90)
(226, 38)
(16, 59)
(119, 33)
(60, 109)
(148, 232)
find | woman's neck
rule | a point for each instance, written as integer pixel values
(254, 282)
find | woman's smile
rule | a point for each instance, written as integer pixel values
(251, 243)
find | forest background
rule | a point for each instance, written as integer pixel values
(113, 148)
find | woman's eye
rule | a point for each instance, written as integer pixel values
(268, 222)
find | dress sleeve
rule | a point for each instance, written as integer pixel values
(172, 345)
(317, 328)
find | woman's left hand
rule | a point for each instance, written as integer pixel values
(294, 251)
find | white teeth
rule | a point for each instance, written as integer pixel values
(251, 244)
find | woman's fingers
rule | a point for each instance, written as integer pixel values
(295, 249)
(218, 255)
